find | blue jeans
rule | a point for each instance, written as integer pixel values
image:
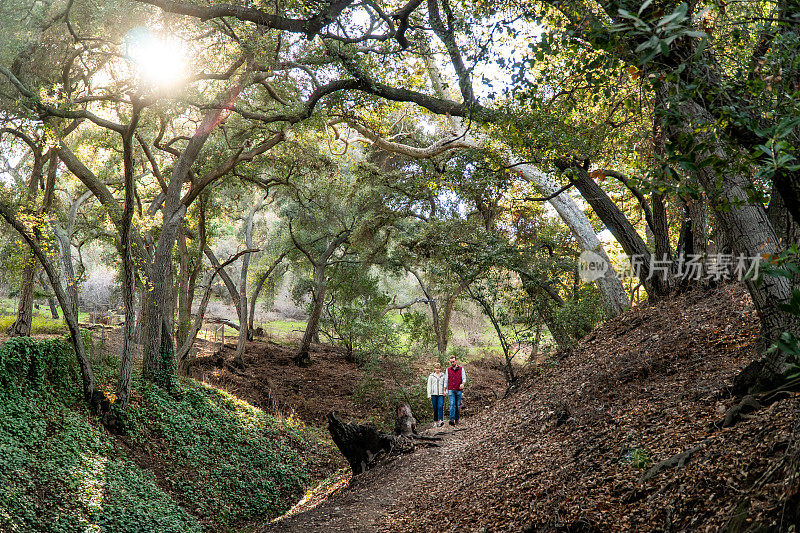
(437, 400)
(455, 404)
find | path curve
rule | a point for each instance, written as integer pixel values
(363, 505)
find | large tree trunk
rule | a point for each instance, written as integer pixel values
(52, 303)
(443, 335)
(64, 236)
(184, 354)
(87, 375)
(251, 315)
(239, 301)
(128, 266)
(661, 227)
(320, 264)
(22, 325)
(614, 296)
(693, 239)
(184, 350)
(751, 235)
(787, 230)
(159, 364)
(654, 277)
(787, 184)
(184, 292)
(190, 270)
(441, 321)
(507, 367)
(244, 330)
(245, 333)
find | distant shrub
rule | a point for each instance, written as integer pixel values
(579, 316)
(48, 326)
(459, 352)
(6, 322)
(382, 397)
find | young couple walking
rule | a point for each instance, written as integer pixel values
(452, 380)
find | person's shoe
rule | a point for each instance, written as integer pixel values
(452, 423)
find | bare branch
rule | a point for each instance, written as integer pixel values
(310, 27)
(434, 149)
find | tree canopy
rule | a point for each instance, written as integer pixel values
(481, 150)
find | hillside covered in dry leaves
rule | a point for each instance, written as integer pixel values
(616, 436)
(571, 449)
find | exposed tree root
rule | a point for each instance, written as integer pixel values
(676, 460)
(750, 403)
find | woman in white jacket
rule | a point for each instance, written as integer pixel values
(437, 386)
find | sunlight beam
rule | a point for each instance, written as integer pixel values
(159, 62)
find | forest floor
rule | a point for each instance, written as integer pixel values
(569, 449)
(271, 381)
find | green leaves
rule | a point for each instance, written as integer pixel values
(657, 36)
(30, 365)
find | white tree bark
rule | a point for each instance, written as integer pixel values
(614, 296)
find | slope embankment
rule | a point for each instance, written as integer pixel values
(616, 436)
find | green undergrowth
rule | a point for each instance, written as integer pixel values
(231, 463)
(383, 396)
(196, 459)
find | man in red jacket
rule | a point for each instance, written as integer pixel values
(454, 383)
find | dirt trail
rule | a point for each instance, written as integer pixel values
(363, 505)
(567, 450)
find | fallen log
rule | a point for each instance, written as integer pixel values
(364, 446)
(361, 445)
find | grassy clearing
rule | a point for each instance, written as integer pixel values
(285, 329)
(39, 326)
(194, 460)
